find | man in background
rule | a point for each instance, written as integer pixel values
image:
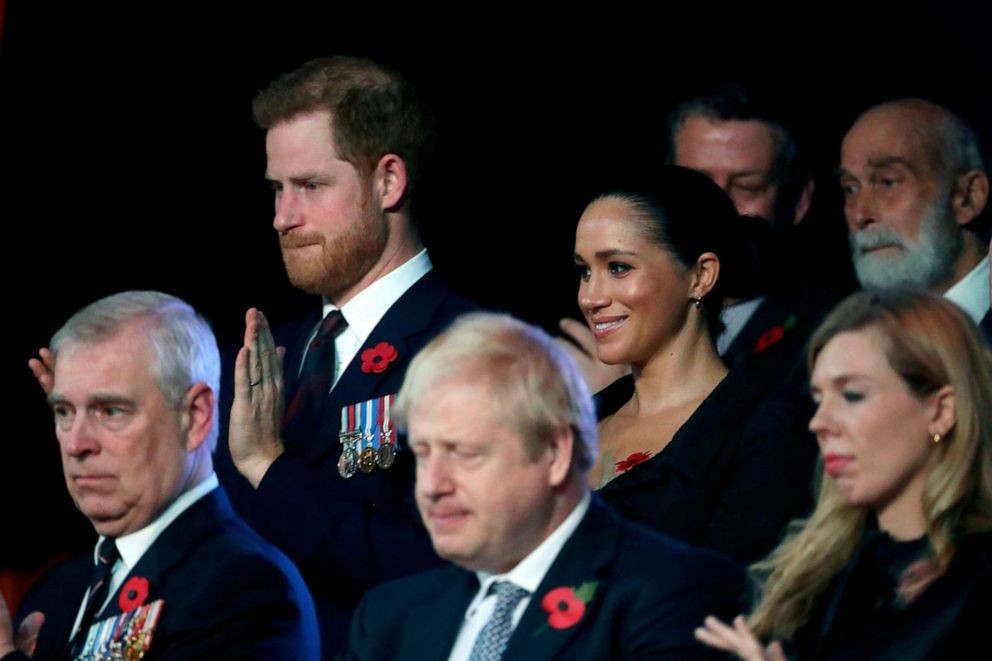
(915, 186)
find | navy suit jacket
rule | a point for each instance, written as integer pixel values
(986, 327)
(651, 593)
(345, 535)
(228, 594)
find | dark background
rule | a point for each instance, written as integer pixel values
(128, 158)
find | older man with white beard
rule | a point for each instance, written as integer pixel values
(914, 181)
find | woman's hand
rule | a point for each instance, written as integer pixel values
(738, 639)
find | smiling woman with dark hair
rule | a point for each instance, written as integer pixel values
(709, 458)
(896, 560)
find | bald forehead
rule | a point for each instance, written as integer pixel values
(909, 130)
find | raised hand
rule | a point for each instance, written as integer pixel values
(255, 430)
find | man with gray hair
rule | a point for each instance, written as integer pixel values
(175, 572)
(502, 427)
(914, 185)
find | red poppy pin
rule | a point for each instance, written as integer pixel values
(376, 359)
(632, 460)
(914, 580)
(566, 606)
(774, 334)
(133, 594)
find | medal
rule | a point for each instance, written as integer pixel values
(366, 460)
(348, 437)
(386, 454)
(348, 462)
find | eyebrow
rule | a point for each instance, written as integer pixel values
(96, 398)
(876, 164)
(888, 161)
(842, 379)
(613, 252)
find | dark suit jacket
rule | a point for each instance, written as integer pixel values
(651, 593)
(733, 475)
(986, 327)
(345, 535)
(228, 594)
(949, 620)
(796, 312)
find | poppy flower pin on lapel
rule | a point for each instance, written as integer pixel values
(775, 334)
(566, 605)
(133, 593)
(376, 359)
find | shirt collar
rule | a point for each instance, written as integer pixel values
(971, 293)
(530, 571)
(133, 545)
(370, 305)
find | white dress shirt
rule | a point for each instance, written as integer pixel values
(528, 574)
(367, 308)
(133, 545)
(971, 293)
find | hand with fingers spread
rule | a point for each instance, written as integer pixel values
(254, 434)
(737, 639)
(43, 368)
(27, 633)
(580, 343)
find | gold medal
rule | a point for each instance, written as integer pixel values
(366, 460)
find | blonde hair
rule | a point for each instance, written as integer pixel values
(930, 343)
(534, 384)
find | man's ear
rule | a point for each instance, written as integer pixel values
(391, 181)
(562, 447)
(198, 415)
(970, 194)
(805, 198)
(704, 275)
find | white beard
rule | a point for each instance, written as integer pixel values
(925, 262)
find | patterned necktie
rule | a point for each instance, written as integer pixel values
(492, 640)
(317, 371)
(106, 558)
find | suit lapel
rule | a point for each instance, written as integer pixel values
(403, 326)
(986, 327)
(172, 547)
(584, 558)
(60, 614)
(434, 625)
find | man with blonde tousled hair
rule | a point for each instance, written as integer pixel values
(503, 430)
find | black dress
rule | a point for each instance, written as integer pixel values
(864, 614)
(734, 474)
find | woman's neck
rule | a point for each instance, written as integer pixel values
(685, 369)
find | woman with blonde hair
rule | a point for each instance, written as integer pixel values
(896, 559)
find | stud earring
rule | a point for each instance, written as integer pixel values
(936, 438)
(697, 302)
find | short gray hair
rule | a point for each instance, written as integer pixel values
(183, 347)
(535, 386)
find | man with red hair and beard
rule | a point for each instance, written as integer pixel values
(315, 464)
(914, 185)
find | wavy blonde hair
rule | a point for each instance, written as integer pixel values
(930, 343)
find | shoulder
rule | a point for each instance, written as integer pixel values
(403, 593)
(673, 564)
(66, 578)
